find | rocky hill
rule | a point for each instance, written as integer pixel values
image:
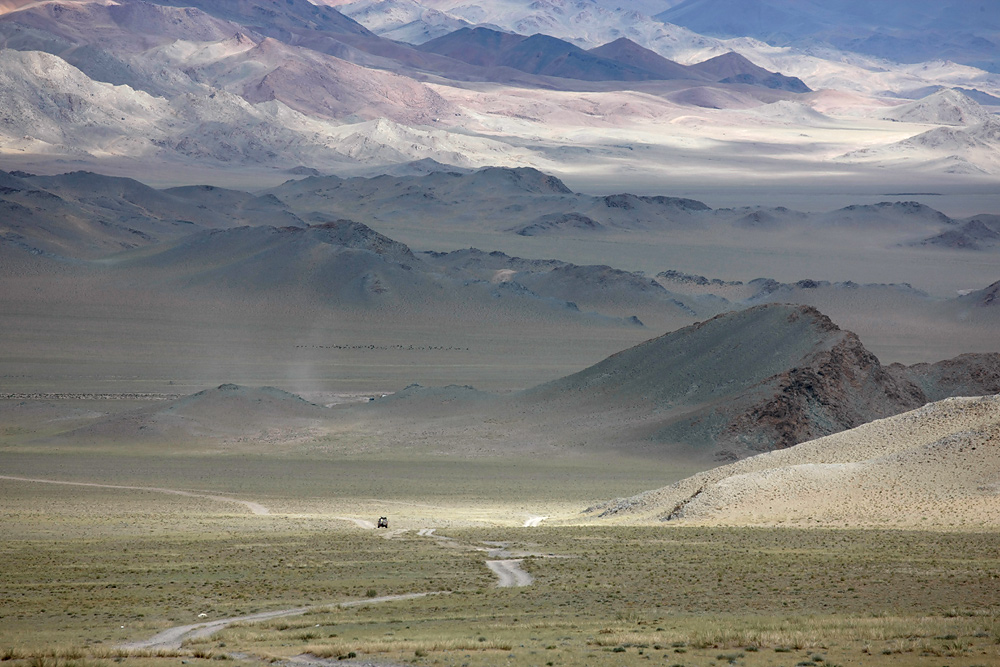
(979, 233)
(988, 297)
(768, 377)
(965, 375)
(82, 215)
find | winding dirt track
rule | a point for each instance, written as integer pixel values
(173, 638)
(256, 508)
(510, 573)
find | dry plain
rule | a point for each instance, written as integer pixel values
(89, 569)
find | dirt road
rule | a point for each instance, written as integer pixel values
(509, 573)
(174, 637)
(256, 508)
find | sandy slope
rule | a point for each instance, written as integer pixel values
(937, 466)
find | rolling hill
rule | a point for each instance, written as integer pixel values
(227, 413)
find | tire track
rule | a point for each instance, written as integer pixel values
(508, 570)
(509, 573)
(173, 638)
(255, 508)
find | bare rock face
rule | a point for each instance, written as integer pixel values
(976, 234)
(835, 390)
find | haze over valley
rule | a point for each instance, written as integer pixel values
(653, 327)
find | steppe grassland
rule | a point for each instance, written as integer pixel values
(689, 596)
(80, 563)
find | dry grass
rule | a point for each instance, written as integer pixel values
(87, 569)
(692, 595)
(684, 595)
(390, 646)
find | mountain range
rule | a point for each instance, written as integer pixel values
(289, 94)
(915, 32)
(319, 259)
(266, 87)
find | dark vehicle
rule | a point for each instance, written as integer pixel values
(383, 522)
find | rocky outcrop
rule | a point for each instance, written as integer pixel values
(757, 380)
(833, 391)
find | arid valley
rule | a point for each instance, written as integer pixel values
(656, 331)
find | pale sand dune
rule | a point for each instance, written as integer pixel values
(937, 466)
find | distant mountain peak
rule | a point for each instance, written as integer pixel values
(733, 67)
(627, 52)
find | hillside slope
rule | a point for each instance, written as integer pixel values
(763, 378)
(932, 467)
